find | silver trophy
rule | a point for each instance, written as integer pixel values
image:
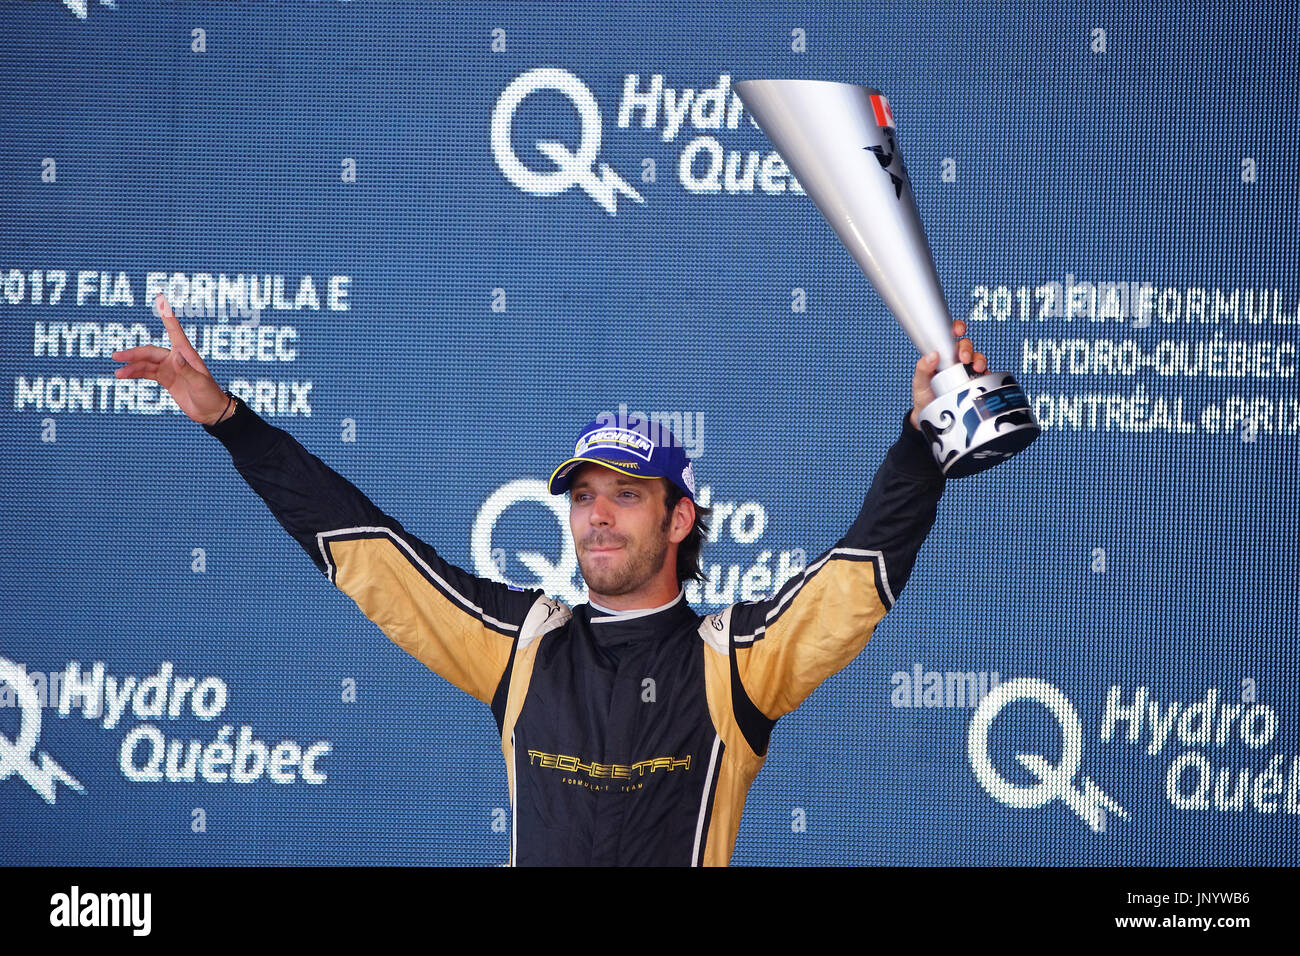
(838, 140)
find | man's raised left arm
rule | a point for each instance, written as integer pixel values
(784, 646)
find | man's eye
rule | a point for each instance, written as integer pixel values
(583, 496)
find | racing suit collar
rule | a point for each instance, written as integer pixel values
(601, 613)
(611, 630)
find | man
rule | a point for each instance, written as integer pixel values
(632, 727)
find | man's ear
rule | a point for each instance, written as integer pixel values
(681, 528)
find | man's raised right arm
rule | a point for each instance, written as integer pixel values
(461, 626)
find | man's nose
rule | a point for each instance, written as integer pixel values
(602, 510)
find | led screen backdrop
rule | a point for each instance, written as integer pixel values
(432, 241)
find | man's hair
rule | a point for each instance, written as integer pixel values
(688, 550)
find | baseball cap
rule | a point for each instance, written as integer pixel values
(646, 450)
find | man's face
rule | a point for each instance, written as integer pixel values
(619, 528)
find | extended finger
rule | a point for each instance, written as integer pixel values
(150, 353)
(177, 335)
(137, 370)
(981, 362)
(958, 328)
(965, 350)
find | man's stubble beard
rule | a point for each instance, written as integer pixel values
(639, 568)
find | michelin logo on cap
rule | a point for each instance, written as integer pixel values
(622, 439)
(688, 478)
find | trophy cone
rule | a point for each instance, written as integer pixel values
(839, 141)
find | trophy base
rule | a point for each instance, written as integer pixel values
(979, 424)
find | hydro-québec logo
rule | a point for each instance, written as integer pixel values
(1054, 780)
(1220, 751)
(157, 717)
(693, 121)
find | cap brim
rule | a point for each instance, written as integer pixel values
(560, 478)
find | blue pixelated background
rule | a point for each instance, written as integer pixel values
(465, 326)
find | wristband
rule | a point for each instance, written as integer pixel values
(224, 410)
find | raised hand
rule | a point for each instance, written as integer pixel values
(179, 369)
(926, 365)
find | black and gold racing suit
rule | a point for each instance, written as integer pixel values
(629, 738)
